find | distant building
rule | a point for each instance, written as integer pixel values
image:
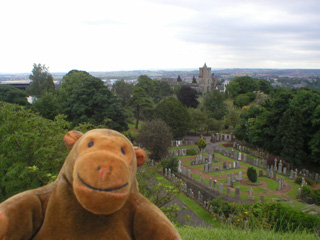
(207, 82)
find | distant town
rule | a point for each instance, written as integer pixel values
(289, 78)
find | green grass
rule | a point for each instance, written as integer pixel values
(227, 233)
(203, 214)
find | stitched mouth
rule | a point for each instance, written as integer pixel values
(101, 189)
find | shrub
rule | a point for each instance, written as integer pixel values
(252, 174)
(191, 152)
(269, 215)
(298, 180)
(202, 144)
(309, 195)
(171, 162)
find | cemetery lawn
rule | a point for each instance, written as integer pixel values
(227, 233)
(195, 207)
(271, 185)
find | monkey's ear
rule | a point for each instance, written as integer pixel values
(71, 138)
(141, 156)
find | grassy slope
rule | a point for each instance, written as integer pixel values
(192, 233)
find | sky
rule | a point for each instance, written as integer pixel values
(117, 35)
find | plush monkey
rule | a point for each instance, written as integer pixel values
(95, 196)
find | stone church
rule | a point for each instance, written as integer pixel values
(207, 81)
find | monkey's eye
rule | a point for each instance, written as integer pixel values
(90, 144)
(123, 151)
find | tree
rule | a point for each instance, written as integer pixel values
(252, 174)
(147, 84)
(31, 149)
(214, 104)
(42, 81)
(161, 91)
(158, 191)
(198, 119)
(123, 91)
(90, 101)
(232, 118)
(179, 80)
(173, 113)
(188, 96)
(202, 144)
(244, 99)
(194, 80)
(47, 105)
(155, 136)
(141, 102)
(11, 94)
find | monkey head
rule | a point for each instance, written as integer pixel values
(101, 167)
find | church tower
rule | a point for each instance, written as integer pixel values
(205, 79)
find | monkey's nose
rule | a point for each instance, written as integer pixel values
(104, 172)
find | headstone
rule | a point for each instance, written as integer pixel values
(215, 184)
(299, 192)
(166, 172)
(237, 164)
(240, 176)
(229, 166)
(199, 195)
(225, 165)
(261, 198)
(237, 192)
(228, 191)
(284, 170)
(210, 182)
(228, 181)
(179, 167)
(260, 173)
(169, 172)
(206, 168)
(264, 190)
(280, 167)
(239, 156)
(250, 193)
(303, 182)
(234, 165)
(220, 167)
(279, 184)
(220, 187)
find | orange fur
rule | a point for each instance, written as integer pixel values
(94, 197)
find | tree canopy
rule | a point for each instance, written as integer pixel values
(31, 149)
(12, 94)
(173, 113)
(214, 104)
(123, 91)
(86, 99)
(42, 81)
(286, 125)
(188, 96)
(155, 135)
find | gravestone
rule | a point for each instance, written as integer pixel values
(210, 182)
(220, 187)
(237, 192)
(228, 191)
(261, 198)
(240, 176)
(237, 164)
(250, 193)
(228, 181)
(166, 172)
(215, 184)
